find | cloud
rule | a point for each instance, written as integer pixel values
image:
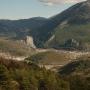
(52, 2)
(49, 4)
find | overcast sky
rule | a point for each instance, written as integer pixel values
(20, 9)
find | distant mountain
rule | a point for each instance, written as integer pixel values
(68, 30)
(14, 35)
(20, 28)
(77, 14)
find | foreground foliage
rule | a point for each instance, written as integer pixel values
(22, 76)
(17, 75)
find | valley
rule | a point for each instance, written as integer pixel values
(58, 58)
(62, 58)
(47, 53)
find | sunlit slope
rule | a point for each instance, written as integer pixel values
(79, 33)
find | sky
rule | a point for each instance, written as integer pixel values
(22, 9)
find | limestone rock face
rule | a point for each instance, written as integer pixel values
(29, 41)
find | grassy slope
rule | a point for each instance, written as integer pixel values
(18, 75)
(81, 67)
(51, 58)
(14, 47)
(78, 32)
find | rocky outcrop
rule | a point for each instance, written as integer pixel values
(29, 41)
(72, 43)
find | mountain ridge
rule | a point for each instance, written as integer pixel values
(42, 29)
